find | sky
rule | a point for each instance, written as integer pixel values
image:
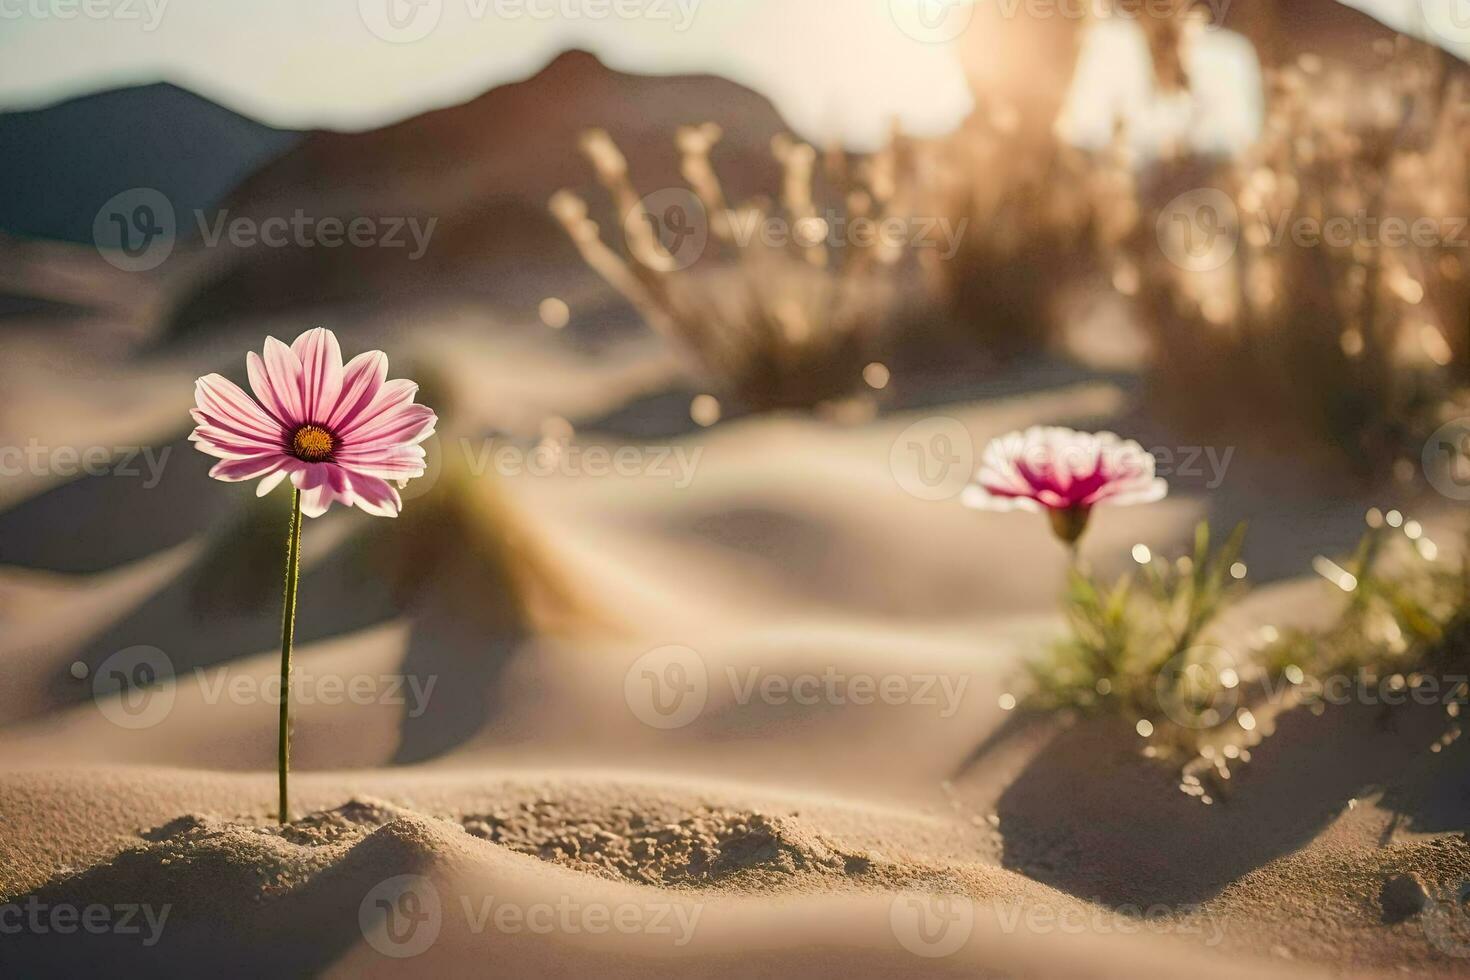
(835, 68)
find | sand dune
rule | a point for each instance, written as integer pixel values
(520, 773)
(738, 710)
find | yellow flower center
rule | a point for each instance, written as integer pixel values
(312, 443)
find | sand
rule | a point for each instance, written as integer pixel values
(790, 837)
(483, 781)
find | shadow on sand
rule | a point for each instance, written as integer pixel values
(1060, 819)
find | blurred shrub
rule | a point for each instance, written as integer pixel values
(1284, 307)
(774, 302)
(1035, 216)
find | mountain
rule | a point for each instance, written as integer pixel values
(60, 164)
(483, 172)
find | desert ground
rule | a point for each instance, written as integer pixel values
(751, 706)
(526, 776)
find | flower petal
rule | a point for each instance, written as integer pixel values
(393, 394)
(1061, 469)
(361, 380)
(404, 425)
(979, 498)
(208, 427)
(224, 445)
(276, 381)
(320, 484)
(237, 470)
(375, 496)
(321, 373)
(230, 408)
(393, 463)
(271, 481)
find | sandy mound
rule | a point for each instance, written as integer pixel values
(714, 887)
(705, 848)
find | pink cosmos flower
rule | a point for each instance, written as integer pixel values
(340, 433)
(1065, 473)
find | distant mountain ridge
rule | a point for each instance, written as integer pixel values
(60, 164)
(483, 173)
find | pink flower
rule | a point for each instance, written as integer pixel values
(1065, 473)
(340, 433)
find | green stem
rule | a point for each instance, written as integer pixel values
(288, 631)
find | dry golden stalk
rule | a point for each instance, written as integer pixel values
(771, 321)
(1333, 342)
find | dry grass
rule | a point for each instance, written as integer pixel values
(1321, 334)
(775, 306)
(1036, 218)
